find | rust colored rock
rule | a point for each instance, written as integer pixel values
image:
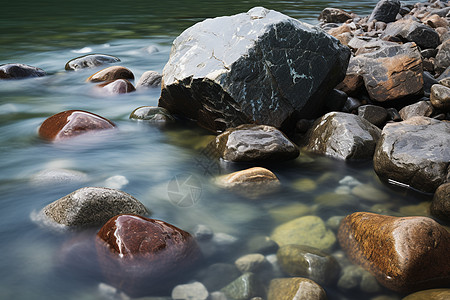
(111, 74)
(334, 15)
(72, 123)
(119, 86)
(440, 207)
(404, 254)
(144, 256)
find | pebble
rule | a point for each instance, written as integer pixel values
(254, 263)
(191, 291)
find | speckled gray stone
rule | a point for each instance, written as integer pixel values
(89, 206)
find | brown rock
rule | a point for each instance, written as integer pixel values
(142, 256)
(111, 74)
(72, 123)
(435, 21)
(440, 206)
(295, 288)
(119, 86)
(334, 15)
(404, 254)
(392, 72)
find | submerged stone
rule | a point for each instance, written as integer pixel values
(150, 79)
(404, 254)
(118, 86)
(243, 288)
(72, 123)
(89, 206)
(135, 251)
(90, 61)
(151, 114)
(19, 71)
(440, 206)
(295, 288)
(309, 262)
(257, 67)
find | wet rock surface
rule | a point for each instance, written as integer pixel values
(245, 287)
(431, 294)
(343, 136)
(309, 262)
(404, 254)
(150, 79)
(440, 206)
(255, 143)
(71, 123)
(111, 74)
(151, 114)
(376, 115)
(264, 68)
(134, 251)
(118, 86)
(307, 231)
(87, 207)
(413, 31)
(295, 288)
(90, 61)
(414, 152)
(19, 71)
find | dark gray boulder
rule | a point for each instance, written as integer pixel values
(90, 61)
(19, 71)
(413, 31)
(343, 136)
(414, 152)
(386, 11)
(375, 114)
(256, 67)
(255, 143)
(87, 207)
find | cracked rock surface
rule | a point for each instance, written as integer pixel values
(257, 67)
(414, 152)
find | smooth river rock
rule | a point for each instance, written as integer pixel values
(89, 206)
(413, 31)
(245, 287)
(144, 256)
(19, 71)
(343, 136)
(118, 86)
(72, 123)
(111, 73)
(295, 288)
(418, 109)
(375, 114)
(90, 61)
(150, 79)
(404, 254)
(440, 97)
(309, 262)
(151, 114)
(440, 206)
(414, 152)
(255, 143)
(307, 231)
(431, 294)
(253, 182)
(257, 67)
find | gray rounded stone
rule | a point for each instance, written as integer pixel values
(253, 143)
(191, 291)
(19, 71)
(150, 79)
(89, 206)
(440, 97)
(419, 109)
(90, 61)
(151, 114)
(254, 263)
(375, 114)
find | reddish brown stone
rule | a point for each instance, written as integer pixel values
(119, 86)
(111, 73)
(72, 123)
(404, 254)
(142, 256)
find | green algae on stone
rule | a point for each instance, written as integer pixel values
(243, 288)
(295, 288)
(308, 231)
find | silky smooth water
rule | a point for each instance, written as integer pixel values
(47, 34)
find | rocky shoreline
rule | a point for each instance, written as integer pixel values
(360, 88)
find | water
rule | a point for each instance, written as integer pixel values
(47, 35)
